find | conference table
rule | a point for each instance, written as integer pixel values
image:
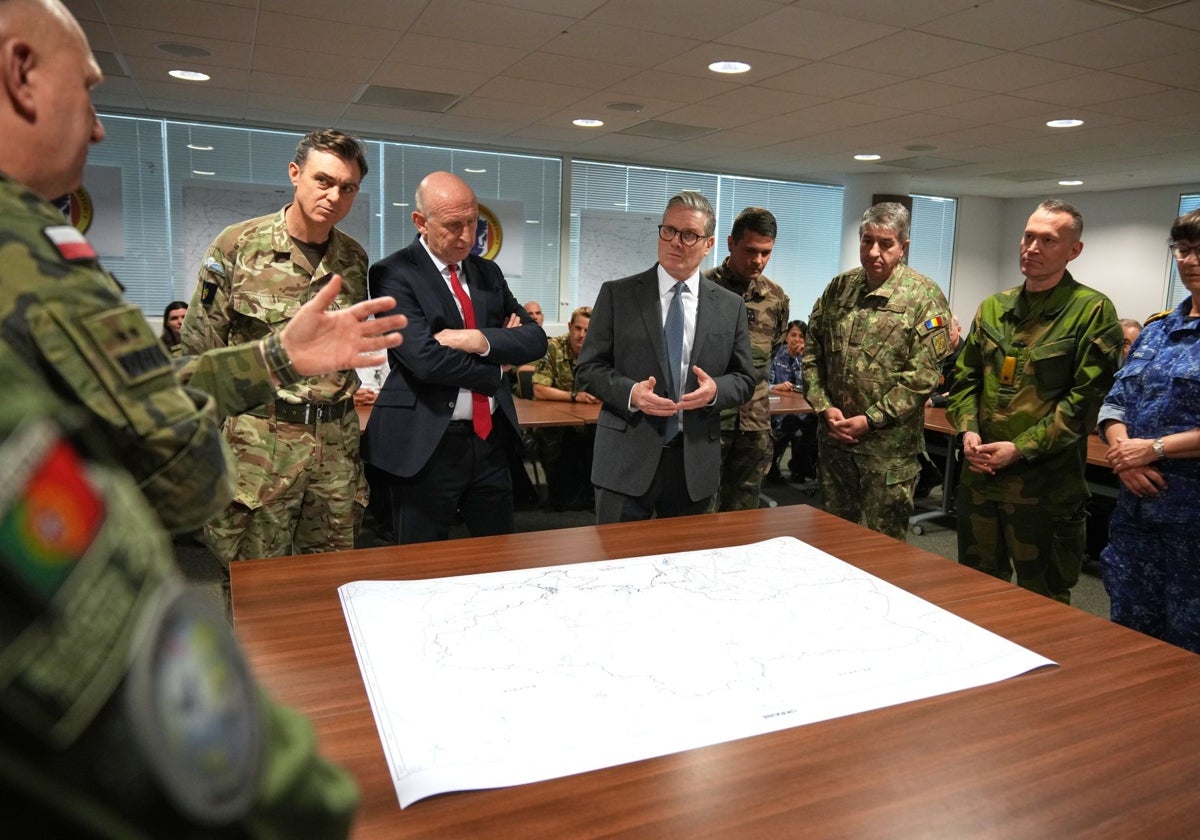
(535, 414)
(545, 414)
(1103, 745)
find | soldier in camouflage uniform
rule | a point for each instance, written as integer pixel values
(1031, 376)
(876, 339)
(747, 450)
(61, 313)
(300, 484)
(565, 451)
(103, 734)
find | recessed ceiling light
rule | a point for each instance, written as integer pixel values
(1067, 123)
(729, 67)
(1070, 182)
(587, 123)
(197, 147)
(867, 157)
(202, 172)
(628, 107)
(532, 221)
(474, 171)
(399, 203)
(189, 75)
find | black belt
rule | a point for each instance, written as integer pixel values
(309, 414)
(461, 427)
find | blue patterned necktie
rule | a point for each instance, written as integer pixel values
(674, 330)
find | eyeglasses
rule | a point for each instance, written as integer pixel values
(1182, 250)
(688, 237)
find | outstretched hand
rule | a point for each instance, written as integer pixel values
(643, 399)
(320, 340)
(704, 393)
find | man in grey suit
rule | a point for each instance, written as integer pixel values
(658, 439)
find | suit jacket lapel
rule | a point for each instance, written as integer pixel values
(705, 309)
(437, 281)
(652, 320)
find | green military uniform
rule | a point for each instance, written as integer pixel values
(300, 485)
(1033, 370)
(876, 353)
(126, 709)
(747, 450)
(565, 452)
(61, 313)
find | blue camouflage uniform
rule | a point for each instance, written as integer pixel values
(1151, 564)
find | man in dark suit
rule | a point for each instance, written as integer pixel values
(658, 439)
(444, 418)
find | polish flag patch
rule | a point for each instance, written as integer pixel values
(70, 243)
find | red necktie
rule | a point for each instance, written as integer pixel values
(481, 412)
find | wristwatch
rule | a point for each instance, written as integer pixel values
(1160, 449)
(573, 395)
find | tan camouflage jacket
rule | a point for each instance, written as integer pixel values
(557, 368)
(767, 308)
(878, 353)
(254, 279)
(62, 314)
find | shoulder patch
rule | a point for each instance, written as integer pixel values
(933, 324)
(123, 337)
(208, 293)
(49, 512)
(214, 265)
(70, 243)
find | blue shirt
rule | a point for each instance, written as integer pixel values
(1157, 393)
(784, 368)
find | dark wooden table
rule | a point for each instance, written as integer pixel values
(1105, 745)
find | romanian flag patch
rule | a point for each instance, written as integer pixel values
(934, 323)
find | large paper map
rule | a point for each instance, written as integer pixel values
(513, 677)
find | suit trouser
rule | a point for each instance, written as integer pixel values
(667, 496)
(464, 473)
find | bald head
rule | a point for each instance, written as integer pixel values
(447, 216)
(47, 72)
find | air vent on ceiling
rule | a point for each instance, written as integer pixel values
(1139, 6)
(410, 100)
(110, 64)
(1023, 176)
(668, 130)
(921, 162)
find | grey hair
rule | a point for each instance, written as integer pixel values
(1057, 205)
(692, 200)
(887, 214)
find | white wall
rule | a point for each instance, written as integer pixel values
(1124, 247)
(977, 255)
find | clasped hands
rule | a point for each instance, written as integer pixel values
(1131, 459)
(845, 429)
(643, 398)
(988, 458)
